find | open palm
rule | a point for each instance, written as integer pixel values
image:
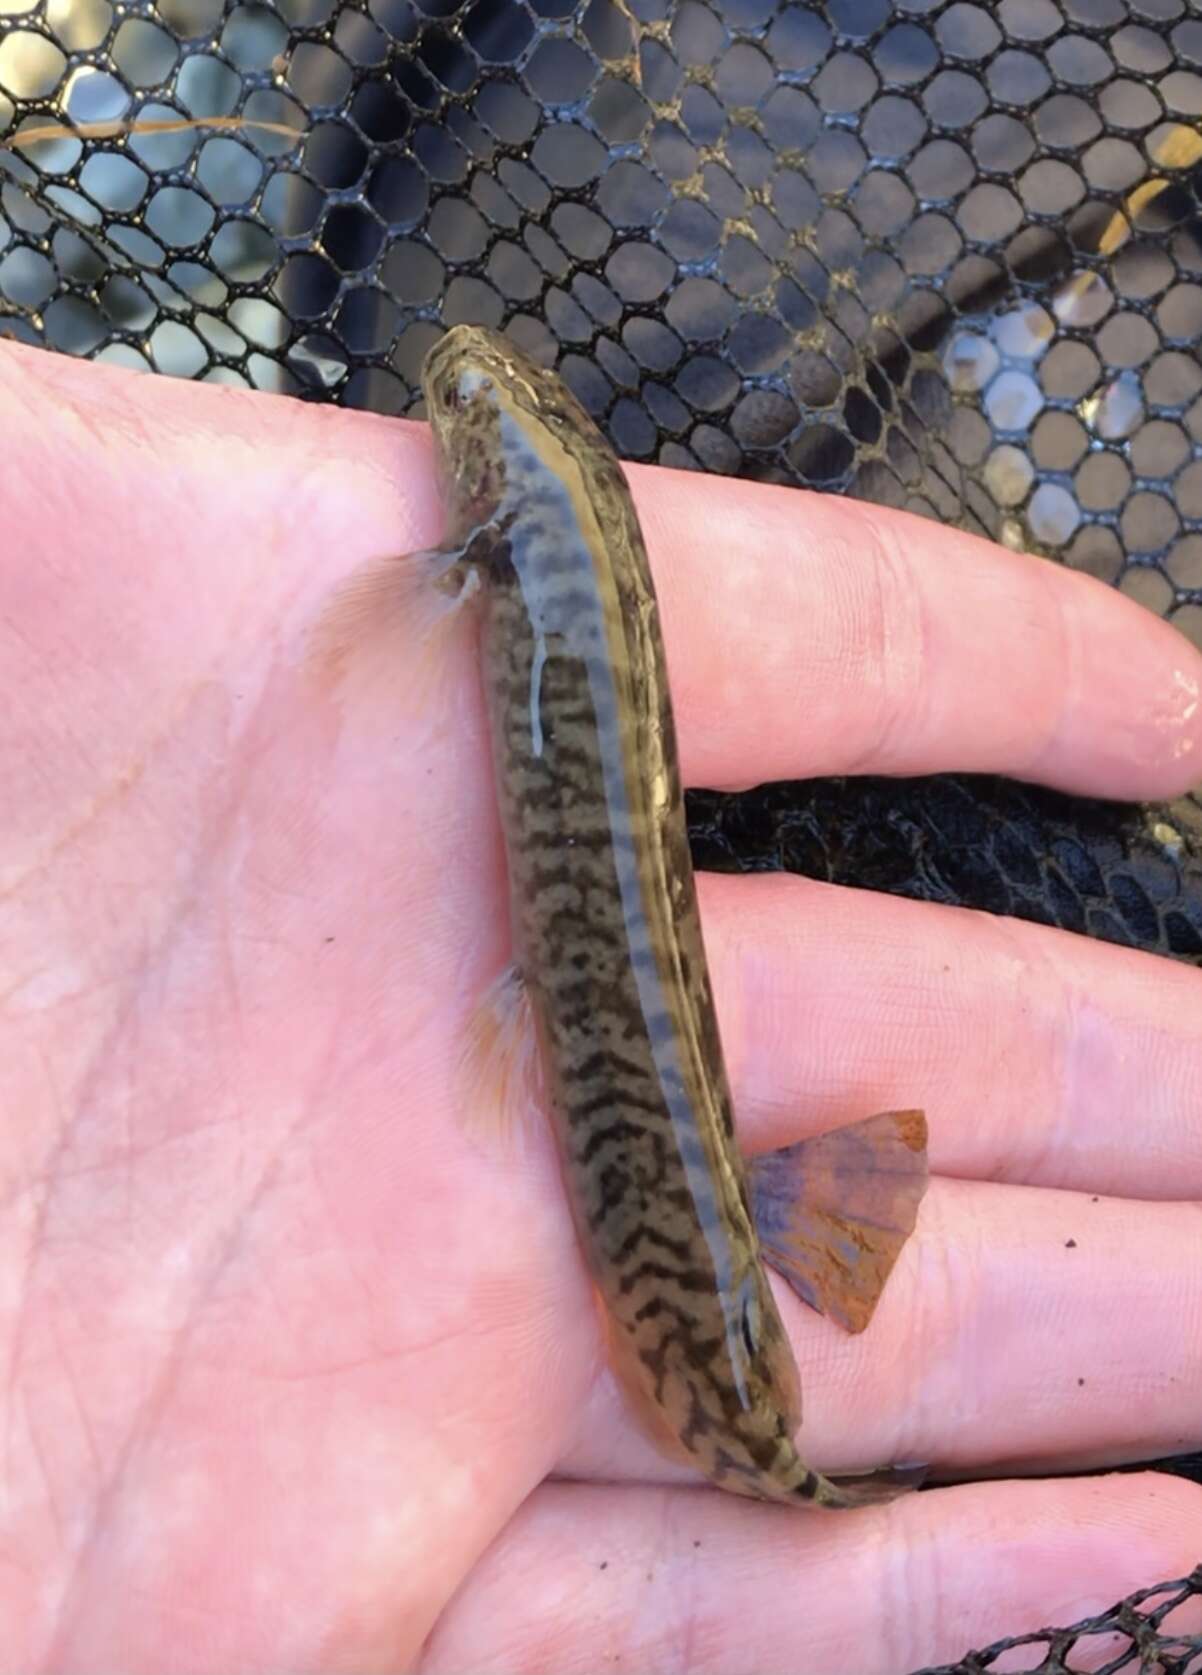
(300, 1365)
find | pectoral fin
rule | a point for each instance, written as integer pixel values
(834, 1211)
(384, 622)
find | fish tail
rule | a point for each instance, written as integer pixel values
(872, 1489)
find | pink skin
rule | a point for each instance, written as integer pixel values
(300, 1370)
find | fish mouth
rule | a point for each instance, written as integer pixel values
(463, 339)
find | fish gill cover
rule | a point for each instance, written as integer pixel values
(940, 256)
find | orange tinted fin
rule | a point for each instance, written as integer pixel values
(389, 607)
(501, 1057)
(833, 1212)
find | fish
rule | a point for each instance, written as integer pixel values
(609, 985)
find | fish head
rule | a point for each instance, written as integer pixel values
(486, 399)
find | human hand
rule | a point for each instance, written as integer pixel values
(300, 1371)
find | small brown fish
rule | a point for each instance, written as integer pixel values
(542, 530)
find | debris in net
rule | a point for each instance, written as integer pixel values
(144, 125)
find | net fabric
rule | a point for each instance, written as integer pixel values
(938, 255)
(1135, 1635)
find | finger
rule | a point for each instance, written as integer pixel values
(819, 635)
(588, 1578)
(996, 1346)
(1038, 1056)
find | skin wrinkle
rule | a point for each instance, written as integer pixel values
(1034, 954)
(228, 965)
(1069, 660)
(128, 1154)
(1065, 1072)
(240, 627)
(911, 1582)
(142, 1429)
(145, 960)
(155, 1401)
(141, 973)
(85, 1424)
(899, 643)
(16, 1396)
(72, 998)
(358, 1279)
(118, 788)
(945, 1283)
(36, 1242)
(337, 1369)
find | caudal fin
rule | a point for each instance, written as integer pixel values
(833, 1212)
(873, 1489)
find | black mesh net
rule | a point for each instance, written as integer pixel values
(1135, 1635)
(941, 256)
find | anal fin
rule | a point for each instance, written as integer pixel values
(834, 1211)
(501, 1058)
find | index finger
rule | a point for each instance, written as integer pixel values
(808, 634)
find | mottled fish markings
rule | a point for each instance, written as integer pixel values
(608, 943)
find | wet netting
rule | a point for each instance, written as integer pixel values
(941, 256)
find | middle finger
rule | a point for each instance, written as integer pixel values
(1039, 1056)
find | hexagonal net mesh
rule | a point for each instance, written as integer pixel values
(1136, 1634)
(938, 255)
